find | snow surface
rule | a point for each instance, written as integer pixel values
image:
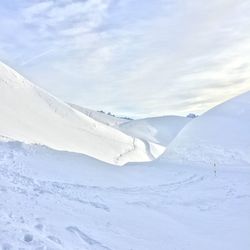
(161, 130)
(221, 135)
(100, 116)
(60, 200)
(31, 115)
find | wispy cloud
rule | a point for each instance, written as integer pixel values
(36, 57)
(142, 57)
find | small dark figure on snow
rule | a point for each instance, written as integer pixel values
(215, 169)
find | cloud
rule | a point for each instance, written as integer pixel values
(31, 12)
(66, 16)
(132, 57)
(36, 57)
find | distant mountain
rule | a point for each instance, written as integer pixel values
(191, 115)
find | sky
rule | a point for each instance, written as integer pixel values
(131, 57)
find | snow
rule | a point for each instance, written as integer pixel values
(100, 116)
(60, 188)
(161, 130)
(31, 115)
(220, 136)
(60, 200)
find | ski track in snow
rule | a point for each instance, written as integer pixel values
(90, 241)
(133, 148)
(147, 149)
(94, 217)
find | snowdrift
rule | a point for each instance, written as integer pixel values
(160, 130)
(31, 115)
(221, 135)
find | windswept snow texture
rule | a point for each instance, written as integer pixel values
(221, 135)
(31, 115)
(99, 116)
(161, 130)
(66, 201)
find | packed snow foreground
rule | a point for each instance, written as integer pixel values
(61, 188)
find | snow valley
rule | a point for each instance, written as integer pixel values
(73, 178)
(31, 115)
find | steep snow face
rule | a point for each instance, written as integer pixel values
(160, 130)
(31, 115)
(99, 116)
(221, 135)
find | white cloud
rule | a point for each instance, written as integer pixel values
(66, 15)
(36, 9)
(142, 57)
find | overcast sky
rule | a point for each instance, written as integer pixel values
(131, 57)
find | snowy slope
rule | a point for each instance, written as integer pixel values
(160, 130)
(99, 116)
(31, 115)
(221, 135)
(60, 200)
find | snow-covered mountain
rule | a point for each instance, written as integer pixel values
(221, 135)
(161, 130)
(52, 199)
(31, 115)
(100, 116)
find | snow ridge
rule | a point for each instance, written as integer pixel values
(31, 115)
